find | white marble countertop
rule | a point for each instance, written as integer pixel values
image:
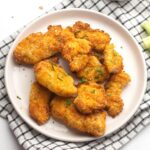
(14, 14)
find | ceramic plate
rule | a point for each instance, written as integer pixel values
(19, 78)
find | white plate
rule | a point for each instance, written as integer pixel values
(19, 78)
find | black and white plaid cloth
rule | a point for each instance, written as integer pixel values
(130, 13)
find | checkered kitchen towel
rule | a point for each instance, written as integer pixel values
(130, 13)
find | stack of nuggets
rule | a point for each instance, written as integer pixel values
(92, 59)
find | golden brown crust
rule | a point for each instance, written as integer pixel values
(112, 60)
(78, 62)
(75, 47)
(54, 78)
(98, 38)
(94, 71)
(93, 124)
(38, 46)
(114, 88)
(39, 103)
(91, 98)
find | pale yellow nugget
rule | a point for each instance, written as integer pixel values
(54, 78)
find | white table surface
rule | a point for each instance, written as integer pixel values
(16, 13)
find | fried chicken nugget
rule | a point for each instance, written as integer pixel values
(91, 98)
(98, 38)
(54, 78)
(94, 71)
(74, 50)
(114, 88)
(112, 60)
(39, 103)
(78, 62)
(38, 46)
(75, 47)
(93, 124)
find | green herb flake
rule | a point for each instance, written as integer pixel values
(18, 97)
(93, 91)
(59, 78)
(100, 72)
(53, 68)
(96, 54)
(77, 32)
(115, 53)
(84, 37)
(82, 80)
(68, 102)
(109, 95)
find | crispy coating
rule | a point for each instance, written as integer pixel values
(54, 78)
(30, 50)
(93, 124)
(91, 98)
(98, 38)
(54, 30)
(38, 46)
(66, 35)
(94, 71)
(112, 60)
(39, 103)
(75, 47)
(120, 79)
(78, 62)
(76, 52)
(114, 88)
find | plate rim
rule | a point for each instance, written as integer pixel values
(124, 121)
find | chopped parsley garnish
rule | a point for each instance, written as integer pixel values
(84, 37)
(77, 32)
(68, 102)
(93, 91)
(82, 80)
(96, 54)
(53, 68)
(18, 97)
(100, 72)
(115, 53)
(59, 78)
(109, 95)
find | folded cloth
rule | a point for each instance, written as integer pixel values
(130, 13)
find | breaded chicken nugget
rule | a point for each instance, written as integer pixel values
(121, 79)
(64, 110)
(98, 38)
(114, 88)
(75, 52)
(75, 47)
(94, 71)
(39, 103)
(91, 98)
(54, 78)
(66, 35)
(54, 30)
(112, 60)
(38, 46)
(78, 62)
